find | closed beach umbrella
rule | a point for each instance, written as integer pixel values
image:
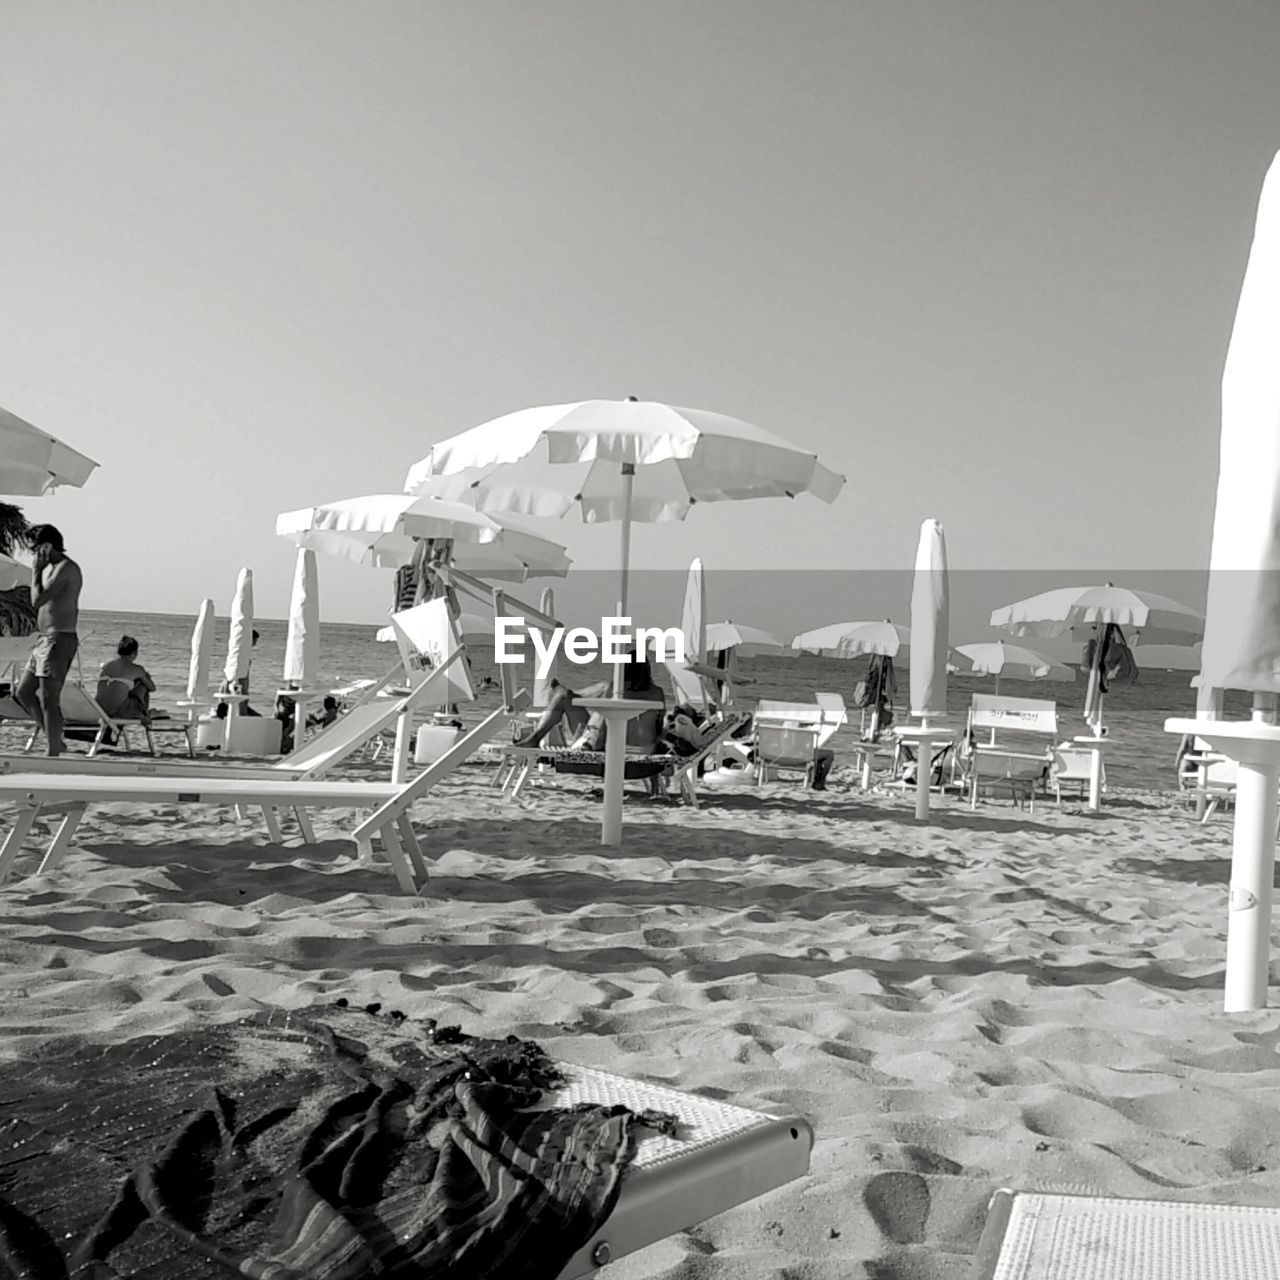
(694, 614)
(302, 641)
(617, 460)
(1242, 626)
(930, 631)
(930, 622)
(746, 640)
(240, 637)
(853, 639)
(201, 654)
(32, 462)
(381, 529)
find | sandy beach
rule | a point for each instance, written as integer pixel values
(992, 999)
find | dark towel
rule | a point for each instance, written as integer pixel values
(322, 1147)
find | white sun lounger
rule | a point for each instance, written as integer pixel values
(70, 794)
(720, 1156)
(1040, 1236)
(82, 711)
(313, 759)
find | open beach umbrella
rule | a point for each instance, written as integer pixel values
(618, 460)
(746, 640)
(240, 636)
(930, 629)
(1242, 626)
(32, 461)
(996, 658)
(852, 639)
(201, 655)
(380, 530)
(1087, 612)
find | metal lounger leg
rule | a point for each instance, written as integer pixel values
(409, 839)
(242, 812)
(522, 775)
(62, 839)
(17, 834)
(273, 824)
(399, 863)
(304, 824)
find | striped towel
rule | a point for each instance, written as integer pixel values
(284, 1147)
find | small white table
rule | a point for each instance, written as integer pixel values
(615, 712)
(926, 737)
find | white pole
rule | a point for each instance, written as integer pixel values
(615, 746)
(924, 767)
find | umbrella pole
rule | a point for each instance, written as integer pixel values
(615, 745)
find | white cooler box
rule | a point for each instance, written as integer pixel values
(433, 741)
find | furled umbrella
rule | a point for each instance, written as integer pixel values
(201, 662)
(235, 669)
(33, 462)
(617, 460)
(302, 641)
(930, 624)
(1242, 629)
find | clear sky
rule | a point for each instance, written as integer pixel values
(982, 255)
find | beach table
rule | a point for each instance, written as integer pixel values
(615, 712)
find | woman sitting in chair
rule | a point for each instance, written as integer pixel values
(125, 686)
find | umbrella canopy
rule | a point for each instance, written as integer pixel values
(302, 642)
(930, 623)
(240, 638)
(1076, 611)
(747, 640)
(201, 654)
(553, 459)
(996, 658)
(32, 462)
(850, 639)
(379, 529)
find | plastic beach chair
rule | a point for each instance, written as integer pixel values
(719, 1157)
(313, 759)
(70, 794)
(993, 763)
(1040, 1236)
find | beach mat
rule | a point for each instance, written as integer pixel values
(331, 1144)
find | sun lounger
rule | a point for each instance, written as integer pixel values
(1019, 767)
(70, 794)
(313, 759)
(787, 734)
(1041, 1236)
(81, 713)
(720, 1156)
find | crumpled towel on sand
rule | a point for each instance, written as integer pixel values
(330, 1145)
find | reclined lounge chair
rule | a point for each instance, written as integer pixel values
(83, 716)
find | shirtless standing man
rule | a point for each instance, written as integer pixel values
(57, 601)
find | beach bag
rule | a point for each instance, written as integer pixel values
(863, 695)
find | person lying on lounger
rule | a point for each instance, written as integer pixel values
(125, 686)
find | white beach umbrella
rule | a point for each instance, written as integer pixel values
(32, 461)
(746, 640)
(302, 640)
(1077, 611)
(617, 460)
(201, 655)
(1242, 627)
(930, 629)
(996, 658)
(853, 639)
(930, 621)
(379, 529)
(240, 637)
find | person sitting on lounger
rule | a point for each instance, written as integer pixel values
(643, 731)
(560, 708)
(125, 686)
(323, 718)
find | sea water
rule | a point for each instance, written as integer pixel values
(1142, 754)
